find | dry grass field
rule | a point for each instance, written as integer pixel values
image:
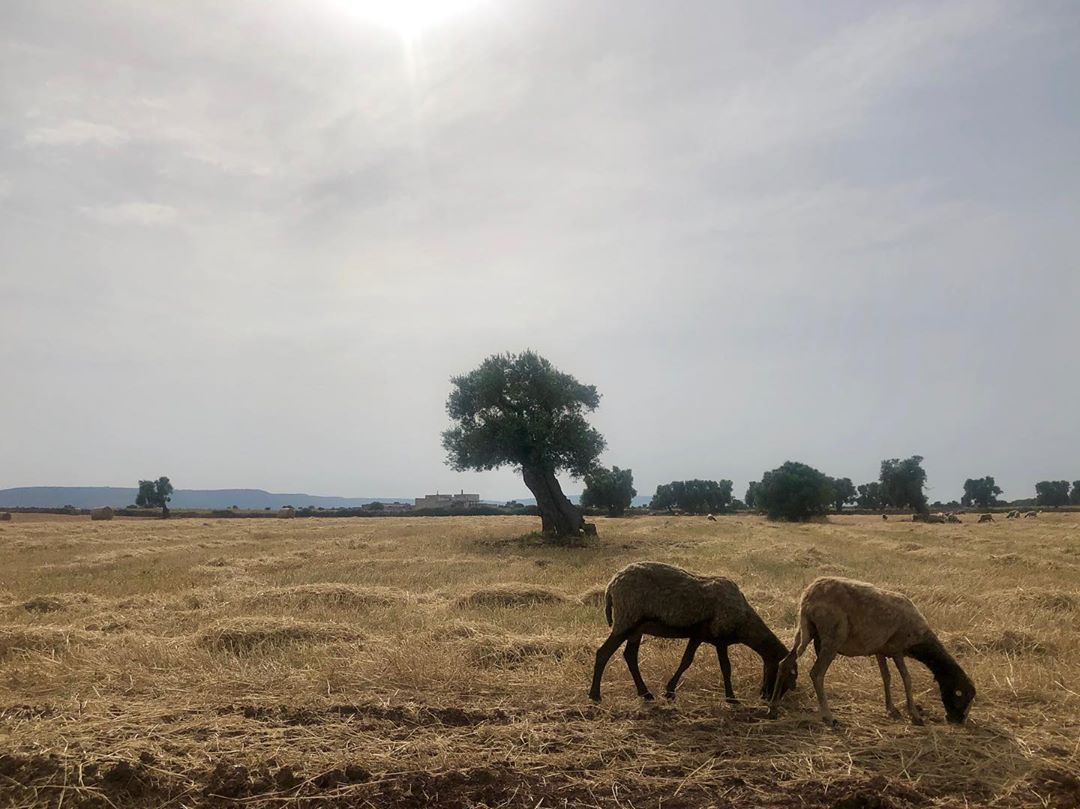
(445, 662)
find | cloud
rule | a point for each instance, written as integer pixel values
(78, 133)
(149, 214)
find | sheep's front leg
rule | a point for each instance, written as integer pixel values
(817, 677)
(684, 664)
(725, 669)
(631, 655)
(912, 708)
(886, 680)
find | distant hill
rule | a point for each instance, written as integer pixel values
(116, 496)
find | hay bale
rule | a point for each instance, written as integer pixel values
(286, 513)
(511, 595)
(594, 596)
(104, 513)
(41, 639)
(245, 635)
(515, 651)
(327, 594)
(5, 516)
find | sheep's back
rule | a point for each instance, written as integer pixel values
(653, 591)
(863, 618)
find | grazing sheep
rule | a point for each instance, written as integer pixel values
(711, 517)
(105, 513)
(651, 598)
(1032, 514)
(856, 619)
(589, 528)
(1012, 515)
(5, 516)
(934, 518)
(952, 518)
(986, 518)
(286, 513)
(884, 516)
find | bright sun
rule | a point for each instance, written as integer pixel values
(408, 17)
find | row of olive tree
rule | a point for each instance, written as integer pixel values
(1056, 493)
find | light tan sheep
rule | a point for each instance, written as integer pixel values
(651, 598)
(953, 518)
(105, 513)
(856, 619)
(986, 518)
(1032, 514)
(1012, 515)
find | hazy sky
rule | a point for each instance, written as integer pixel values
(246, 244)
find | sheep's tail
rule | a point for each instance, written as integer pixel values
(607, 606)
(804, 633)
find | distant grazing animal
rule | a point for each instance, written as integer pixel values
(953, 518)
(1032, 514)
(589, 528)
(934, 518)
(287, 513)
(986, 518)
(711, 517)
(854, 619)
(884, 516)
(5, 516)
(1012, 515)
(105, 513)
(651, 598)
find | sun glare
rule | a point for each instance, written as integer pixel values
(409, 18)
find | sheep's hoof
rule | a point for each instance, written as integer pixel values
(731, 700)
(917, 720)
(669, 695)
(830, 721)
(894, 714)
(647, 696)
(594, 697)
(773, 713)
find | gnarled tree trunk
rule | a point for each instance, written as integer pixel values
(560, 517)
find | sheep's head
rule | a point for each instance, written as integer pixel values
(782, 681)
(957, 693)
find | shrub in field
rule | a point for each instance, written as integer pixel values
(794, 491)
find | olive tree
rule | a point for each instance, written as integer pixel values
(519, 410)
(611, 489)
(155, 494)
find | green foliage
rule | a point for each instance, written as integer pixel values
(1052, 493)
(902, 483)
(751, 494)
(1074, 496)
(980, 492)
(155, 494)
(611, 489)
(518, 409)
(376, 506)
(870, 496)
(843, 492)
(794, 491)
(694, 496)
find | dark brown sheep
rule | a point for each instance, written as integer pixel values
(651, 598)
(855, 619)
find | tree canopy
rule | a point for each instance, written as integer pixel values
(155, 494)
(794, 491)
(611, 489)
(870, 496)
(902, 483)
(1052, 493)
(695, 496)
(751, 494)
(519, 410)
(843, 492)
(980, 492)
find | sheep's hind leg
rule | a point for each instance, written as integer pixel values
(684, 664)
(886, 680)
(912, 708)
(603, 654)
(631, 654)
(725, 669)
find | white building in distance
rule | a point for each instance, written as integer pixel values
(447, 501)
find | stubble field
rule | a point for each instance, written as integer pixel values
(445, 662)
